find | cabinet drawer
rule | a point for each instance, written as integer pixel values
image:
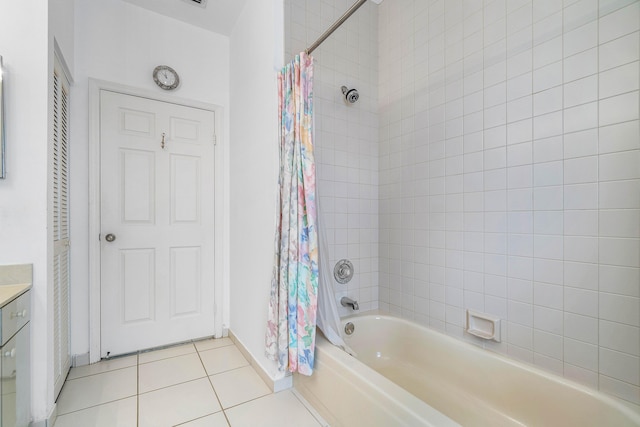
(15, 315)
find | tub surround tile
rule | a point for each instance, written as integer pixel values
(620, 337)
(581, 375)
(556, 179)
(619, 23)
(621, 366)
(620, 308)
(620, 389)
(619, 137)
(620, 280)
(347, 137)
(618, 52)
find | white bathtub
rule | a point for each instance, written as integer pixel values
(407, 375)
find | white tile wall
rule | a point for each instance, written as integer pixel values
(509, 176)
(346, 134)
(493, 163)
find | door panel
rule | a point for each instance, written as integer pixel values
(185, 189)
(137, 183)
(157, 200)
(137, 284)
(137, 123)
(185, 280)
(185, 130)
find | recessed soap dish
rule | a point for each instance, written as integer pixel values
(483, 325)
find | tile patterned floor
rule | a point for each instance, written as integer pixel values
(203, 384)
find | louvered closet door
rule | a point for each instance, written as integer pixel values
(157, 223)
(60, 181)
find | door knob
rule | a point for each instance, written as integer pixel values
(110, 237)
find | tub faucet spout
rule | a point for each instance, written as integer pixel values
(348, 302)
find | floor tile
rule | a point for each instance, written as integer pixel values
(213, 343)
(215, 420)
(238, 386)
(94, 390)
(175, 391)
(121, 413)
(177, 404)
(165, 353)
(167, 372)
(275, 410)
(103, 366)
(222, 359)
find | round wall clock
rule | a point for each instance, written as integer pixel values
(166, 77)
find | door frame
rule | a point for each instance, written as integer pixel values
(220, 236)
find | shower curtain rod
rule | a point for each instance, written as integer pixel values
(335, 26)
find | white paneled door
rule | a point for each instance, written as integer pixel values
(157, 223)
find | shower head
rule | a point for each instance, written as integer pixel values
(350, 95)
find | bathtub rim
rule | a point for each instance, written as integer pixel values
(628, 408)
(415, 407)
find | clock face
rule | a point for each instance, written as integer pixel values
(166, 77)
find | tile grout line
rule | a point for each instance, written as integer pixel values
(137, 390)
(138, 393)
(163, 349)
(99, 373)
(254, 399)
(95, 406)
(211, 383)
(102, 403)
(309, 407)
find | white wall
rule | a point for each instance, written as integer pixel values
(122, 43)
(510, 178)
(346, 144)
(23, 195)
(256, 52)
(61, 27)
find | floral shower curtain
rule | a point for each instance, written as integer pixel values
(291, 329)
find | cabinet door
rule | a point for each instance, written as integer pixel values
(16, 380)
(9, 372)
(23, 377)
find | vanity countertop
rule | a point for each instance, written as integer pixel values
(14, 281)
(10, 292)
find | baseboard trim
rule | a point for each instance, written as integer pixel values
(49, 421)
(276, 385)
(80, 360)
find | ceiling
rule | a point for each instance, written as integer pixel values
(218, 16)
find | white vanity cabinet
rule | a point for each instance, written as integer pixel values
(15, 313)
